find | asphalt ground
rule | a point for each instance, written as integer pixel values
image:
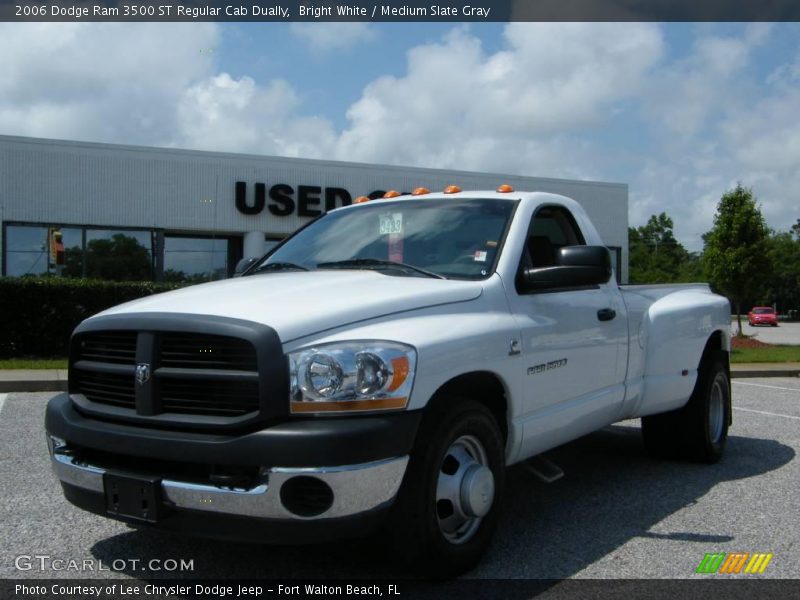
(615, 514)
(785, 333)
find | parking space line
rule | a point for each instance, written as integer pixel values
(772, 387)
(2, 402)
(763, 412)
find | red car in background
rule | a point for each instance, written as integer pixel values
(762, 315)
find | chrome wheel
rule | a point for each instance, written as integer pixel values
(716, 409)
(464, 489)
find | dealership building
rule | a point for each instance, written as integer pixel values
(111, 211)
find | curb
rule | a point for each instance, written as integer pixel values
(747, 373)
(33, 385)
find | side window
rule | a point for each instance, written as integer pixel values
(552, 228)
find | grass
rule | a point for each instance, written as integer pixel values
(776, 354)
(33, 363)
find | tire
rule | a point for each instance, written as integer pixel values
(449, 502)
(699, 430)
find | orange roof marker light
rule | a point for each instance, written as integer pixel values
(505, 189)
(361, 199)
(420, 191)
(452, 189)
(392, 194)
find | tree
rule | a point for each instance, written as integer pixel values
(784, 286)
(654, 255)
(736, 255)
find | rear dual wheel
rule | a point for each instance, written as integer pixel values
(699, 430)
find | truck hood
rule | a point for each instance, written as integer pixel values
(297, 304)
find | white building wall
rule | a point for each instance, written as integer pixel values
(75, 183)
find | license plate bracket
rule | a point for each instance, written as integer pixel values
(133, 497)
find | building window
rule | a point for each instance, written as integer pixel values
(120, 255)
(195, 259)
(116, 255)
(39, 249)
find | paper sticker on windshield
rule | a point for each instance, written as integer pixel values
(480, 256)
(391, 223)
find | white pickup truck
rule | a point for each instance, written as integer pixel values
(380, 369)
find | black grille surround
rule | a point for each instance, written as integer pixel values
(178, 370)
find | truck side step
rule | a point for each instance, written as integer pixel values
(543, 468)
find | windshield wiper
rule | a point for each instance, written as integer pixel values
(366, 263)
(278, 266)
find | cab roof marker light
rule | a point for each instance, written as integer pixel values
(452, 189)
(361, 199)
(420, 191)
(392, 194)
(505, 189)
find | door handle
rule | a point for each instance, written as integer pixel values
(606, 314)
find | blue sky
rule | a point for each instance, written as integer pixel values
(680, 112)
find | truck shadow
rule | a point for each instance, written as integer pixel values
(612, 492)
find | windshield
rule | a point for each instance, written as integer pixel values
(763, 311)
(458, 239)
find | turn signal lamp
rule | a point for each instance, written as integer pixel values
(452, 189)
(420, 191)
(391, 194)
(361, 199)
(505, 189)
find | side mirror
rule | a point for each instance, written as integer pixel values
(243, 265)
(576, 266)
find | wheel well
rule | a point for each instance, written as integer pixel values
(481, 386)
(713, 344)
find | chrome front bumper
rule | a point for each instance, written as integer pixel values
(356, 488)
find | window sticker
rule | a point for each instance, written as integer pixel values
(391, 223)
(480, 255)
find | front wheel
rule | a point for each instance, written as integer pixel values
(449, 502)
(699, 430)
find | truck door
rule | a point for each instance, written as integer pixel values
(572, 343)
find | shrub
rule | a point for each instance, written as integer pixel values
(38, 314)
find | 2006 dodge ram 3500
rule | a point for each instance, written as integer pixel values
(381, 367)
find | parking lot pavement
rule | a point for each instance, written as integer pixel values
(785, 333)
(615, 514)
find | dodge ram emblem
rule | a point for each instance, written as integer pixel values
(142, 373)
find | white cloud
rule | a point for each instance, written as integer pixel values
(460, 107)
(331, 36)
(237, 115)
(110, 82)
(716, 125)
(686, 94)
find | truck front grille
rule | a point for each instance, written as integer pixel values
(115, 347)
(107, 388)
(194, 350)
(152, 373)
(209, 397)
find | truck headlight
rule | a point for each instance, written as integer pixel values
(351, 377)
